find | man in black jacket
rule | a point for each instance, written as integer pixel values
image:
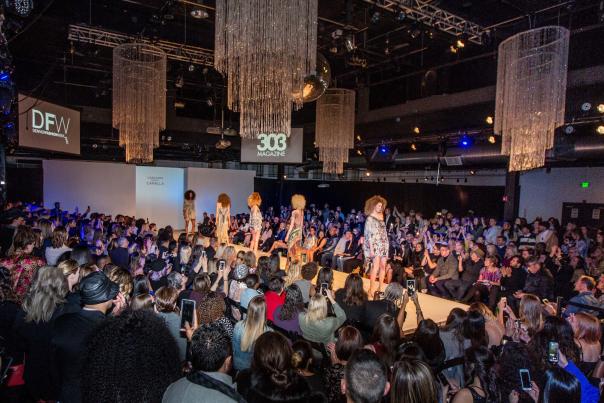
(470, 270)
(538, 282)
(68, 346)
(330, 246)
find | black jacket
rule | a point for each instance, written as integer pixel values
(471, 270)
(68, 348)
(541, 284)
(120, 257)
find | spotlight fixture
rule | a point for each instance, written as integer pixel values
(383, 149)
(358, 137)
(416, 130)
(489, 120)
(223, 144)
(585, 107)
(359, 152)
(375, 17)
(367, 173)
(465, 141)
(199, 14)
(179, 104)
(349, 43)
(284, 176)
(400, 16)
(453, 49)
(472, 172)
(460, 43)
(600, 129)
(570, 129)
(413, 147)
(601, 108)
(191, 67)
(492, 139)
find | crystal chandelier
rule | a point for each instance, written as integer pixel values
(139, 98)
(334, 134)
(531, 94)
(265, 48)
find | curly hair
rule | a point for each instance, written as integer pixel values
(211, 308)
(372, 202)
(224, 200)
(254, 199)
(293, 303)
(131, 357)
(123, 278)
(298, 202)
(189, 195)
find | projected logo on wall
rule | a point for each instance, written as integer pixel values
(47, 126)
(273, 148)
(155, 180)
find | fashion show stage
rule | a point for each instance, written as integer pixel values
(434, 308)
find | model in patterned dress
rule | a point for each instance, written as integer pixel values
(253, 201)
(376, 244)
(296, 223)
(223, 218)
(188, 211)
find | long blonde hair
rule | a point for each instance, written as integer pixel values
(317, 308)
(254, 323)
(46, 292)
(294, 273)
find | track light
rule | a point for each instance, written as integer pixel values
(367, 173)
(453, 49)
(416, 130)
(413, 147)
(585, 107)
(600, 129)
(460, 43)
(489, 120)
(570, 129)
(601, 108)
(375, 17)
(492, 139)
(359, 152)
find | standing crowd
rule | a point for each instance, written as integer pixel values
(94, 308)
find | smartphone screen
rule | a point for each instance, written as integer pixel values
(552, 352)
(324, 287)
(187, 310)
(411, 287)
(221, 265)
(525, 379)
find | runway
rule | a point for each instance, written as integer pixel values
(434, 308)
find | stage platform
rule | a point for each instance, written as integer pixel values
(434, 308)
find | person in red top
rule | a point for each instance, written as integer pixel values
(275, 296)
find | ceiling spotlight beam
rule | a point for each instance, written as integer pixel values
(111, 39)
(431, 15)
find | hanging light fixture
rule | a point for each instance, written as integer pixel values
(139, 98)
(334, 134)
(265, 48)
(531, 94)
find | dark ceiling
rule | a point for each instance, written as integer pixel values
(402, 61)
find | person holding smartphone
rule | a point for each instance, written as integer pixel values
(316, 326)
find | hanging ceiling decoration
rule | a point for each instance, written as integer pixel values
(265, 49)
(531, 94)
(139, 99)
(334, 134)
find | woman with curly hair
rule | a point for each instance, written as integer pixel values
(22, 264)
(296, 223)
(130, 358)
(188, 211)
(376, 246)
(286, 315)
(212, 309)
(253, 202)
(223, 218)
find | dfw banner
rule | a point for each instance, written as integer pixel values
(274, 148)
(48, 126)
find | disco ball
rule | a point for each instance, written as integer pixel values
(316, 84)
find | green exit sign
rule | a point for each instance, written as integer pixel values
(584, 185)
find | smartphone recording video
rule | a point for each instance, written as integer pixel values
(411, 287)
(187, 310)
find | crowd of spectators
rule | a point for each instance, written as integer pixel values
(91, 310)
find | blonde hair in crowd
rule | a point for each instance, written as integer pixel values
(253, 324)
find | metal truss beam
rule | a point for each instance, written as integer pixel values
(433, 16)
(111, 39)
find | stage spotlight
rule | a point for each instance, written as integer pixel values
(284, 176)
(460, 43)
(465, 141)
(600, 129)
(349, 43)
(585, 107)
(601, 108)
(416, 130)
(453, 49)
(413, 147)
(570, 129)
(489, 120)
(179, 104)
(400, 16)
(199, 14)
(191, 67)
(472, 172)
(383, 149)
(359, 152)
(358, 137)
(4, 76)
(367, 173)
(375, 17)
(425, 179)
(415, 33)
(492, 139)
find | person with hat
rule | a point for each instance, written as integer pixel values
(98, 296)
(470, 270)
(446, 269)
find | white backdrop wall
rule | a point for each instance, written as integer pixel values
(159, 195)
(542, 193)
(209, 183)
(105, 187)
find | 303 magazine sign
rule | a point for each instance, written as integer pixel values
(273, 148)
